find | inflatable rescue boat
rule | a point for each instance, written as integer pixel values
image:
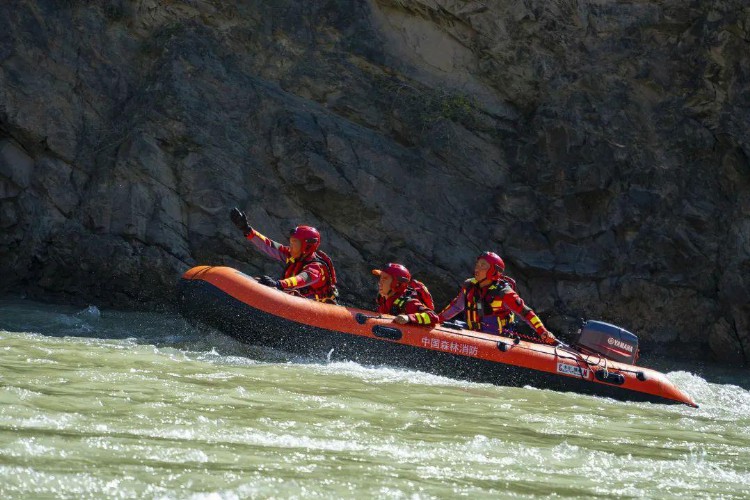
(237, 305)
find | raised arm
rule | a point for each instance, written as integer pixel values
(275, 250)
(271, 248)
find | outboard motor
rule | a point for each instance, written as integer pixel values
(610, 341)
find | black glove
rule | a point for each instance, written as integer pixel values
(269, 281)
(239, 220)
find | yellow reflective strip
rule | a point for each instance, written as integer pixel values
(293, 281)
(496, 303)
(471, 319)
(419, 318)
(535, 321)
(425, 318)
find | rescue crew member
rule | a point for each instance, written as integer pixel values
(308, 272)
(491, 302)
(403, 297)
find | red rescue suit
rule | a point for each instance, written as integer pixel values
(491, 308)
(310, 276)
(407, 303)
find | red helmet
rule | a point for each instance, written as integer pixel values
(497, 266)
(401, 276)
(309, 236)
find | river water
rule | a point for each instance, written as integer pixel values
(106, 404)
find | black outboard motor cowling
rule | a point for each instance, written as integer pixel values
(610, 341)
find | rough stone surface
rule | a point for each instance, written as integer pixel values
(601, 147)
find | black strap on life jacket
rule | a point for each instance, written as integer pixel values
(399, 305)
(416, 290)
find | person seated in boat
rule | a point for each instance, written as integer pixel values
(308, 271)
(491, 302)
(403, 297)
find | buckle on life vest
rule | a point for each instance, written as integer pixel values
(330, 299)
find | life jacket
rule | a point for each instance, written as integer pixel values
(479, 301)
(415, 290)
(399, 305)
(423, 294)
(323, 291)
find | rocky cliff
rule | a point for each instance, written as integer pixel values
(600, 146)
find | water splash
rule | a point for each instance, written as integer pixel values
(91, 313)
(145, 405)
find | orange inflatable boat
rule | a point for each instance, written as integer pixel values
(236, 304)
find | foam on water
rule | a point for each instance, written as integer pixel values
(136, 405)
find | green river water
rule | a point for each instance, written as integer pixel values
(132, 405)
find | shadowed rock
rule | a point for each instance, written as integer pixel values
(601, 148)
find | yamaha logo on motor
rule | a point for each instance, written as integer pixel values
(617, 343)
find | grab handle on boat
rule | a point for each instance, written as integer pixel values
(386, 332)
(362, 318)
(453, 325)
(610, 377)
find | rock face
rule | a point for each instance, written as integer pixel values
(601, 147)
